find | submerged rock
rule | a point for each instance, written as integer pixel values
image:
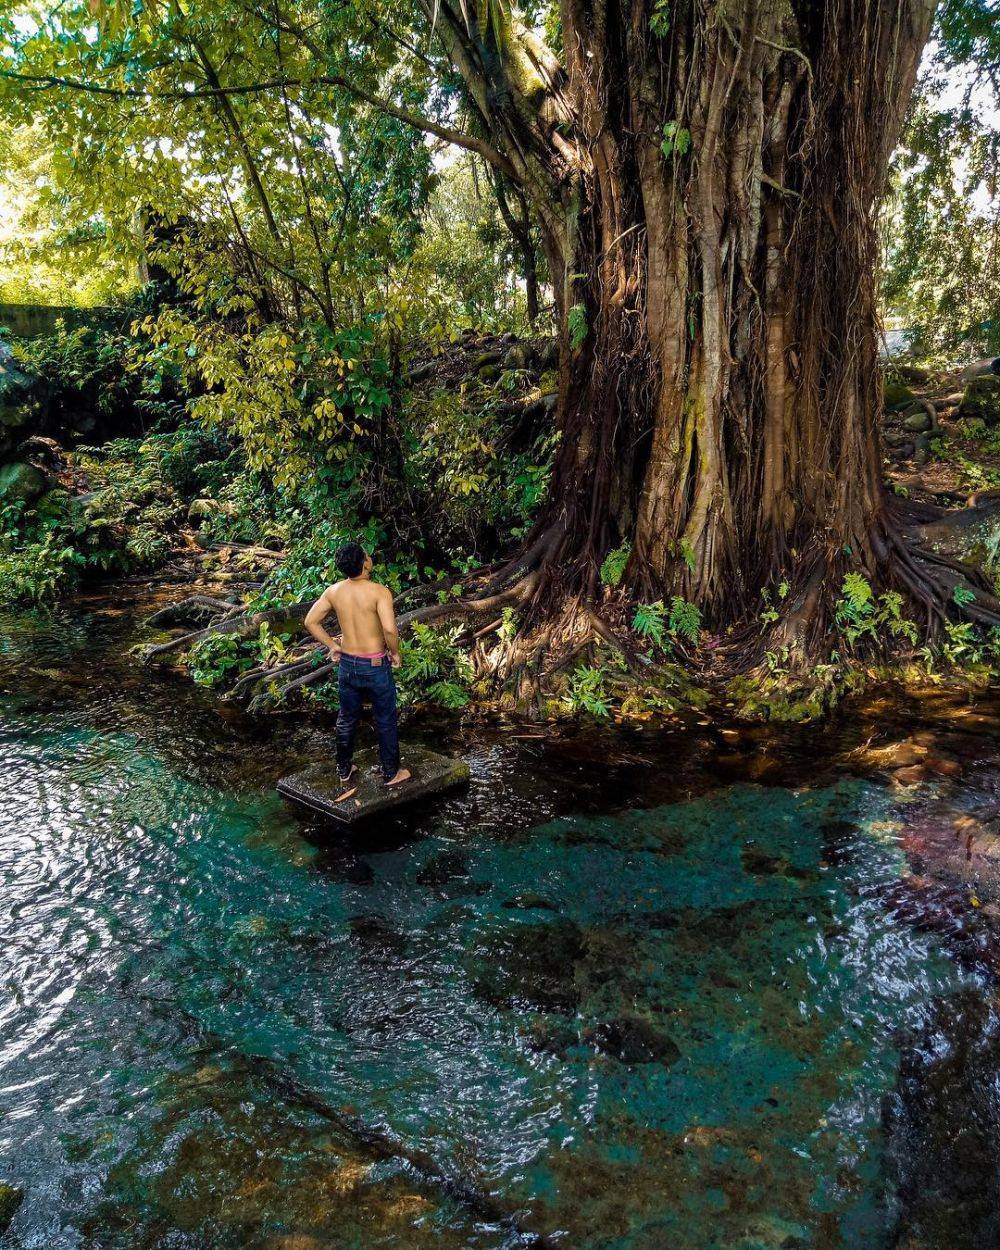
(943, 1125)
(10, 1199)
(443, 867)
(634, 1040)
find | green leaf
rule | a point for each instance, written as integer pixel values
(676, 139)
(577, 323)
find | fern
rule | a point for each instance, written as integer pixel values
(587, 692)
(685, 619)
(650, 622)
(861, 615)
(448, 694)
(615, 562)
(576, 321)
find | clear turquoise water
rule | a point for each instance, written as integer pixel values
(622, 1026)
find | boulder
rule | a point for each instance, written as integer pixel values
(44, 450)
(982, 399)
(910, 373)
(547, 354)
(14, 382)
(485, 360)
(896, 438)
(966, 535)
(896, 394)
(488, 373)
(13, 415)
(319, 788)
(517, 357)
(917, 423)
(980, 368)
(20, 482)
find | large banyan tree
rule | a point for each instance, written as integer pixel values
(707, 175)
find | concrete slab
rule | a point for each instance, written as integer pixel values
(318, 787)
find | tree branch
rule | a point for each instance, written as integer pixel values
(472, 143)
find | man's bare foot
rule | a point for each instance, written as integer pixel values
(400, 777)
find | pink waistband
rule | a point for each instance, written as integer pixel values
(364, 655)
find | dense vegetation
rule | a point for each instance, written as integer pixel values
(584, 350)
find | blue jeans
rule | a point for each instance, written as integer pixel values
(360, 681)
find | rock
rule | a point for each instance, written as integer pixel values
(903, 452)
(980, 368)
(489, 373)
(982, 399)
(910, 776)
(944, 402)
(419, 372)
(917, 423)
(485, 360)
(445, 866)
(943, 766)
(47, 450)
(319, 788)
(634, 1040)
(21, 482)
(910, 373)
(902, 755)
(529, 902)
(10, 1199)
(15, 384)
(896, 394)
(896, 438)
(516, 358)
(965, 535)
(13, 416)
(548, 354)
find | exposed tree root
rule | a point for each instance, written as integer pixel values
(560, 630)
(195, 608)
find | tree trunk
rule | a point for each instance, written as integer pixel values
(708, 193)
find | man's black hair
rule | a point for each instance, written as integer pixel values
(350, 559)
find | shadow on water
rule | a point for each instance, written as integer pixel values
(691, 987)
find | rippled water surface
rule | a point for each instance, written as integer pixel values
(629, 1000)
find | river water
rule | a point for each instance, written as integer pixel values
(644, 991)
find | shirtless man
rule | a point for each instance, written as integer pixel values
(367, 652)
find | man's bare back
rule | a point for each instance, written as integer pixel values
(365, 615)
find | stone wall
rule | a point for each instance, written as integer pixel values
(30, 320)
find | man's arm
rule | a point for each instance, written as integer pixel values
(315, 617)
(387, 618)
